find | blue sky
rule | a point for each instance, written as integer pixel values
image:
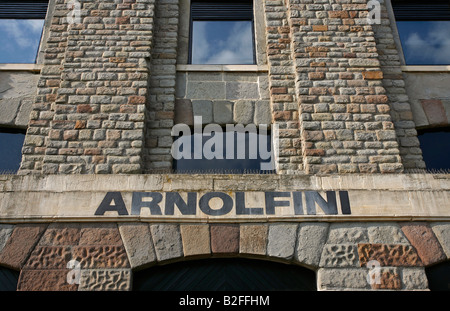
(222, 42)
(19, 40)
(425, 42)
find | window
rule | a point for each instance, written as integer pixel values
(424, 30)
(435, 146)
(222, 32)
(11, 143)
(21, 25)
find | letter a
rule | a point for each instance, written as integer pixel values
(106, 205)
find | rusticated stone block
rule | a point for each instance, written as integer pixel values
(442, 232)
(389, 255)
(253, 239)
(45, 280)
(105, 280)
(340, 279)
(20, 244)
(339, 255)
(414, 278)
(344, 233)
(61, 234)
(225, 239)
(282, 238)
(100, 234)
(138, 244)
(196, 240)
(167, 241)
(48, 257)
(93, 257)
(423, 239)
(386, 279)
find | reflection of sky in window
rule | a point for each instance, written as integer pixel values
(19, 40)
(10, 151)
(222, 42)
(236, 165)
(425, 42)
(436, 149)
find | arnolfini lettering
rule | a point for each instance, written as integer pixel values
(270, 203)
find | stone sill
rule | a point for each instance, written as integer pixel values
(229, 68)
(425, 68)
(21, 67)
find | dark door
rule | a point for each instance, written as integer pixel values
(8, 279)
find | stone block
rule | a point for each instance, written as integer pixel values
(242, 90)
(203, 108)
(224, 239)
(414, 279)
(8, 110)
(442, 232)
(167, 241)
(205, 90)
(243, 112)
(100, 257)
(389, 255)
(49, 257)
(386, 233)
(184, 113)
(339, 255)
(100, 234)
(343, 233)
(434, 110)
(5, 233)
(310, 242)
(105, 280)
(340, 279)
(253, 239)
(45, 280)
(423, 239)
(138, 244)
(20, 244)
(223, 112)
(263, 112)
(61, 234)
(281, 240)
(196, 240)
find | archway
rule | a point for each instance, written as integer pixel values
(220, 274)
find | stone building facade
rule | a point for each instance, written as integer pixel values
(106, 93)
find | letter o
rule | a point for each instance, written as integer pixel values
(225, 209)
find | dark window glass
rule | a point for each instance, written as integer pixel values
(222, 32)
(251, 153)
(19, 40)
(11, 144)
(435, 146)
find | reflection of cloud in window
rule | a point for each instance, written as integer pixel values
(426, 42)
(224, 42)
(20, 40)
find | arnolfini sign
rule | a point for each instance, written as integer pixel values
(223, 203)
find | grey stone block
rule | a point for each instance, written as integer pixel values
(5, 233)
(386, 233)
(167, 241)
(414, 278)
(243, 111)
(263, 112)
(242, 90)
(203, 108)
(281, 240)
(205, 90)
(105, 280)
(180, 87)
(311, 239)
(8, 110)
(23, 115)
(223, 112)
(340, 279)
(341, 233)
(138, 244)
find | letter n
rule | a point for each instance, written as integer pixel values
(106, 206)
